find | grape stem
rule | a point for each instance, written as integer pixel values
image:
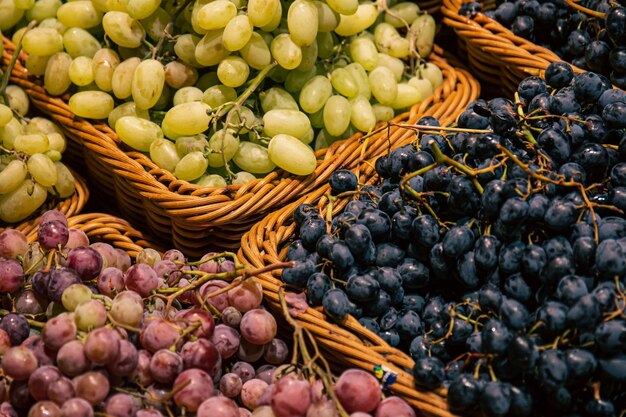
(7, 75)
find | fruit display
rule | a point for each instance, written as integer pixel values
(220, 92)
(85, 330)
(31, 147)
(592, 39)
(490, 252)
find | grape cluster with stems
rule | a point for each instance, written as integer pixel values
(492, 252)
(219, 92)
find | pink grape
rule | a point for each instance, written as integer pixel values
(211, 267)
(231, 317)
(111, 281)
(317, 390)
(86, 261)
(360, 414)
(142, 373)
(358, 390)
(61, 390)
(7, 410)
(227, 266)
(44, 409)
(174, 255)
(28, 302)
(285, 390)
(92, 386)
(165, 365)
(251, 392)
(249, 352)
(58, 331)
(266, 397)
(13, 243)
(201, 354)
(5, 342)
(244, 370)
(77, 407)
(108, 253)
(394, 407)
(77, 239)
(264, 411)
(40, 379)
(122, 260)
(322, 408)
(244, 412)
(44, 355)
(102, 346)
(226, 340)
(19, 363)
(247, 296)
(51, 215)
(265, 373)
(276, 352)
(218, 406)
(121, 405)
(230, 385)
(202, 319)
(199, 387)
(167, 270)
(53, 234)
(142, 279)
(158, 334)
(126, 361)
(148, 412)
(72, 360)
(220, 301)
(11, 275)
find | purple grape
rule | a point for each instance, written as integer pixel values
(44, 356)
(16, 326)
(231, 317)
(102, 346)
(200, 354)
(142, 279)
(7, 410)
(40, 380)
(265, 373)
(111, 281)
(126, 361)
(199, 387)
(218, 406)
(12, 244)
(142, 372)
(86, 261)
(58, 331)
(52, 215)
(165, 365)
(45, 409)
(226, 340)
(19, 363)
(19, 396)
(72, 360)
(174, 255)
(121, 405)
(53, 235)
(158, 334)
(39, 280)
(92, 387)
(276, 352)
(28, 302)
(60, 279)
(61, 390)
(77, 407)
(244, 370)
(77, 239)
(11, 275)
(249, 352)
(230, 385)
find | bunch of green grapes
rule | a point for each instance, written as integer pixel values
(220, 91)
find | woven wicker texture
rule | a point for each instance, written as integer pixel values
(69, 206)
(497, 57)
(196, 219)
(348, 344)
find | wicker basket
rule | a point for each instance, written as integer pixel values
(497, 57)
(69, 206)
(197, 219)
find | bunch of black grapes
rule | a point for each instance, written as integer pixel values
(590, 42)
(494, 252)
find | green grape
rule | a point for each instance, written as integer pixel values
(188, 119)
(422, 85)
(163, 153)
(21, 202)
(290, 122)
(9, 14)
(362, 115)
(360, 76)
(261, 12)
(42, 125)
(74, 295)
(365, 16)
(104, 63)
(406, 97)
(243, 118)
(137, 133)
(24, 4)
(424, 28)
(337, 111)
(309, 57)
(292, 155)
(276, 20)
(55, 156)
(6, 114)
(91, 104)
(9, 132)
(56, 142)
(81, 71)
(179, 75)
(155, 24)
(364, 52)
(42, 41)
(80, 14)
(325, 45)
(223, 146)
(345, 7)
(78, 42)
(308, 137)
(123, 29)
(100, 5)
(12, 176)
(286, 52)
(53, 23)
(43, 9)
(18, 99)
(383, 113)
(302, 22)
(31, 143)
(383, 85)
(233, 71)
(394, 64)
(147, 84)
(314, 93)
(253, 158)
(185, 49)
(208, 79)
(256, 52)
(324, 140)
(210, 50)
(276, 98)
(317, 119)
(212, 180)
(193, 18)
(90, 315)
(191, 166)
(389, 41)
(187, 95)
(42, 169)
(167, 132)
(188, 144)
(432, 73)
(36, 64)
(402, 14)
(344, 83)
(122, 77)
(219, 94)
(295, 80)
(140, 9)
(56, 79)
(327, 18)
(243, 177)
(65, 185)
(126, 109)
(216, 14)
(237, 33)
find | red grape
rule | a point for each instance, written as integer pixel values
(28, 302)
(7, 410)
(121, 405)
(61, 390)
(230, 385)
(249, 352)
(258, 327)
(19, 363)
(111, 281)
(108, 253)
(11, 275)
(244, 370)
(53, 234)
(286, 390)
(44, 355)
(44, 409)
(20, 397)
(77, 239)
(72, 360)
(265, 373)
(122, 260)
(358, 390)
(126, 361)
(231, 317)
(16, 326)
(202, 319)
(148, 412)
(86, 261)
(174, 255)
(158, 334)
(276, 352)
(360, 414)
(58, 331)
(244, 412)
(12, 244)
(142, 279)
(200, 354)
(142, 373)
(77, 407)
(246, 296)
(212, 267)
(226, 340)
(165, 365)
(102, 346)
(251, 392)
(51, 215)
(60, 279)
(394, 407)
(167, 270)
(92, 386)
(218, 406)
(199, 387)
(220, 301)
(5, 342)
(40, 379)
(322, 408)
